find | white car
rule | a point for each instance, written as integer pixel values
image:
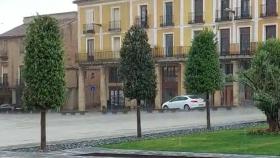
(185, 102)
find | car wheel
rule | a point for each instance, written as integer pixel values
(187, 108)
(165, 107)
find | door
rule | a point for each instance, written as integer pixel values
(116, 98)
(224, 41)
(198, 14)
(115, 21)
(169, 45)
(169, 13)
(116, 47)
(89, 21)
(143, 16)
(90, 49)
(245, 40)
(169, 82)
(224, 13)
(227, 96)
(271, 7)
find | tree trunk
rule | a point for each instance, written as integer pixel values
(139, 135)
(208, 112)
(273, 123)
(43, 130)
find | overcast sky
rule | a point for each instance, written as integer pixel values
(13, 11)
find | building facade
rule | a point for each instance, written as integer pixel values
(171, 26)
(12, 56)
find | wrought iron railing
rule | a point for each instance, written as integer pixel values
(243, 13)
(167, 52)
(88, 29)
(239, 49)
(166, 20)
(267, 12)
(196, 17)
(115, 26)
(142, 21)
(223, 15)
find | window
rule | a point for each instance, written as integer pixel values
(198, 11)
(195, 33)
(115, 23)
(143, 16)
(245, 8)
(5, 79)
(116, 44)
(114, 75)
(270, 7)
(89, 20)
(168, 45)
(224, 41)
(228, 69)
(245, 40)
(168, 13)
(270, 31)
(90, 49)
(224, 13)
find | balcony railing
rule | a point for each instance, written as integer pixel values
(98, 56)
(142, 22)
(88, 29)
(223, 15)
(167, 52)
(195, 18)
(166, 20)
(115, 26)
(240, 50)
(241, 13)
(108, 56)
(268, 12)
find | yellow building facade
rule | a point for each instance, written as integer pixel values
(171, 26)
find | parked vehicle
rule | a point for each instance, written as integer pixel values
(6, 107)
(185, 102)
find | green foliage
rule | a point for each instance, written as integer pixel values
(203, 72)
(137, 68)
(263, 78)
(43, 65)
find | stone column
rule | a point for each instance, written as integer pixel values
(81, 91)
(159, 90)
(236, 97)
(103, 88)
(182, 90)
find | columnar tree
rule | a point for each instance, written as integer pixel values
(203, 74)
(137, 68)
(43, 69)
(263, 78)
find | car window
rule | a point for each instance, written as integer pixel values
(193, 97)
(174, 99)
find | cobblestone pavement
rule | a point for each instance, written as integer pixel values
(21, 129)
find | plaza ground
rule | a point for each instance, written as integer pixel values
(18, 129)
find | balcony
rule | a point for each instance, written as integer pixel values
(171, 52)
(166, 20)
(267, 12)
(196, 18)
(241, 13)
(222, 15)
(98, 56)
(142, 22)
(179, 52)
(239, 51)
(88, 29)
(115, 26)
